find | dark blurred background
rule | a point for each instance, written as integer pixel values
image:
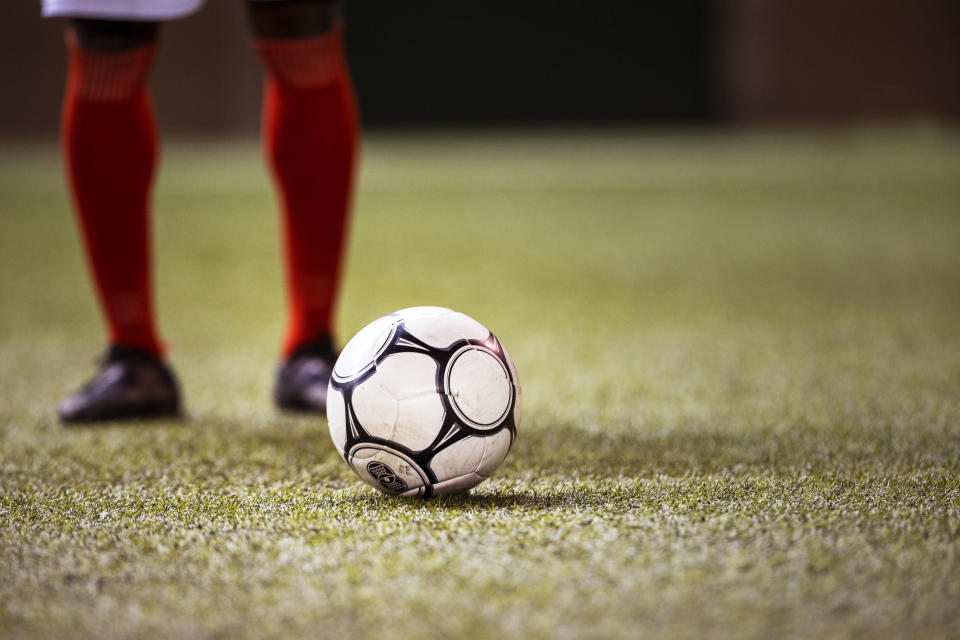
(436, 63)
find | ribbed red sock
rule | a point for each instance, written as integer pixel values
(109, 141)
(310, 131)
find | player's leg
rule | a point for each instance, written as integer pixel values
(309, 131)
(109, 143)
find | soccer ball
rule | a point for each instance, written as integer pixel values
(424, 401)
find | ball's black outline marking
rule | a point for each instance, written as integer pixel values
(452, 429)
(367, 370)
(448, 371)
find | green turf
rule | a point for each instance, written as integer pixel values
(741, 366)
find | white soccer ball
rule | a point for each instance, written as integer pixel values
(424, 401)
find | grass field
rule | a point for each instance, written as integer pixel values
(741, 367)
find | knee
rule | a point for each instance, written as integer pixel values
(107, 36)
(299, 41)
(109, 60)
(280, 19)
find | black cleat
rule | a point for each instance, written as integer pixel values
(301, 383)
(131, 384)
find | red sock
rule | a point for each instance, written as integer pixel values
(310, 131)
(109, 141)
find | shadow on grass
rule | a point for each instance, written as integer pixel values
(161, 422)
(514, 501)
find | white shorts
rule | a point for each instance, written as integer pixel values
(121, 9)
